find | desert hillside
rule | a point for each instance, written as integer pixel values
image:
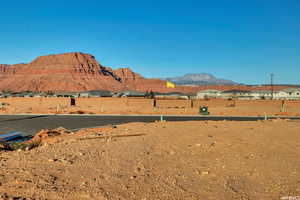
(82, 72)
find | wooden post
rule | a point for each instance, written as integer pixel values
(266, 117)
(282, 108)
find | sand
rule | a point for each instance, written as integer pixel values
(164, 160)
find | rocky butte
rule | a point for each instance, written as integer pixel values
(81, 72)
(70, 72)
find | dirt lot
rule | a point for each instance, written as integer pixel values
(164, 160)
(146, 106)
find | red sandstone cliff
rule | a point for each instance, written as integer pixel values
(81, 72)
(70, 72)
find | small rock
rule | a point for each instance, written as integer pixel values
(205, 173)
(84, 183)
(66, 161)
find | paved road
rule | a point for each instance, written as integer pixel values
(30, 124)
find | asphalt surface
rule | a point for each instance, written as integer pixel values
(31, 124)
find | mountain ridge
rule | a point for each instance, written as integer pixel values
(73, 71)
(199, 79)
(78, 72)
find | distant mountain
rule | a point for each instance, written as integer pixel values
(200, 79)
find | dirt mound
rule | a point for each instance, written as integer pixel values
(45, 134)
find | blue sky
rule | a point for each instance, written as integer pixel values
(242, 40)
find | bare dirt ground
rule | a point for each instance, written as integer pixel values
(164, 160)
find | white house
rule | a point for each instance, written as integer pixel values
(261, 94)
(235, 93)
(289, 93)
(204, 94)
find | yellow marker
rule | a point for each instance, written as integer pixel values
(170, 85)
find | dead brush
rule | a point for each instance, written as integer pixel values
(25, 146)
(80, 112)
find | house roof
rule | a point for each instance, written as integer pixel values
(209, 90)
(132, 93)
(236, 91)
(261, 91)
(99, 92)
(291, 90)
(66, 93)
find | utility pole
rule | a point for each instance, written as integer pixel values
(272, 85)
